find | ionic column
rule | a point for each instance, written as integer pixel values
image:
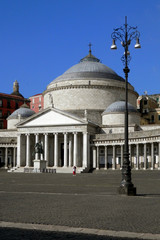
(114, 158)
(28, 150)
(75, 149)
(137, 156)
(65, 149)
(46, 148)
(97, 157)
(70, 150)
(88, 153)
(145, 156)
(6, 157)
(94, 156)
(53, 151)
(85, 149)
(36, 141)
(105, 157)
(159, 156)
(14, 157)
(56, 149)
(152, 156)
(19, 150)
(121, 156)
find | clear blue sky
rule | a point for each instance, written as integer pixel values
(41, 39)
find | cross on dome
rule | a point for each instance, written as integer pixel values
(90, 45)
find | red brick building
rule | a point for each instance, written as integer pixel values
(36, 102)
(9, 103)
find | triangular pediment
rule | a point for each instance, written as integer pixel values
(51, 117)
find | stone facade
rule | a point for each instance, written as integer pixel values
(82, 125)
(149, 108)
(36, 102)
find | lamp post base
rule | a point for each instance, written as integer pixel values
(128, 190)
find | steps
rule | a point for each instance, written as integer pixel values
(16, 170)
(49, 170)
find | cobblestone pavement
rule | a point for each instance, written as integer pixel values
(84, 201)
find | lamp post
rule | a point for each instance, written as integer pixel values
(125, 35)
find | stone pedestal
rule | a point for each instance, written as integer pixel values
(39, 165)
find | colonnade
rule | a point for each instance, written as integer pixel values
(8, 156)
(142, 156)
(60, 149)
(73, 149)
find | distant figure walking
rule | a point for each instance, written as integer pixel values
(74, 171)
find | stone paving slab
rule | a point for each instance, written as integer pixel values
(87, 201)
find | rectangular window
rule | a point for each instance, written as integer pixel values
(145, 102)
(39, 99)
(33, 100)
(1, 103)
(1, 125)
(16, 105)
(159, 117)
(101, 151)
(152, 118)
(0, 113)
(8, 104)
(145, 110)
(9, 152)
(155, 149)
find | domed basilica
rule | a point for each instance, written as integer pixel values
(82, 125)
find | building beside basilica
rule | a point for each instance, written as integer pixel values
(82, 125)
(9, 103)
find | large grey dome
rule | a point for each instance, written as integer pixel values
(88, 67)
(119, 106)
(88, 85)
(23, 111)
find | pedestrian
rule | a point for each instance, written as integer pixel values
(74, 171)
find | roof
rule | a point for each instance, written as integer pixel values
(88, 67)
(24, 111)
(36, 95)
(119, 106)
(8, 140)
(16, 93)
(5, 95)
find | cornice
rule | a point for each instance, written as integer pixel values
(143, 140)
(89, 87)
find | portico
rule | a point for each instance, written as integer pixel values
(60, 149)
(63, 145)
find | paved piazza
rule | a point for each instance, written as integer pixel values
(62, 206)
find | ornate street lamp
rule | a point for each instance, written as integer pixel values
(125, 35)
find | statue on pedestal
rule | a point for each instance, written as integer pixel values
(38, 149)
(51, 100)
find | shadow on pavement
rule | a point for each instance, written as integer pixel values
(148, 195)
(25, 234)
